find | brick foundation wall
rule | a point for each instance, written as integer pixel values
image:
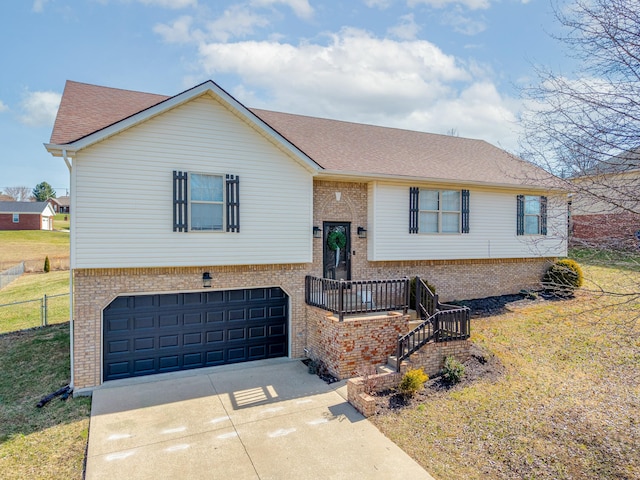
(359, 390)
(94, 289)
(431, 356)
(355, 345)
(607, 230)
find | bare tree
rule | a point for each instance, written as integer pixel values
(19, 194)
(585, 127)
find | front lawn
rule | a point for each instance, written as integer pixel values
(32, 286)
(39, 443)
(32, 246)
(566, 406)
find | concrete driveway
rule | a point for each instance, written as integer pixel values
(259, 420)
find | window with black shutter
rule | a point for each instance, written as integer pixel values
(531, 215)
(206, 202)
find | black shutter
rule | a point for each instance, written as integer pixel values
(233, 203)
(414, 209)
(520, 221)
(180, 202)
(465, 211)
(543, 215)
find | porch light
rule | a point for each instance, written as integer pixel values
(317, 232)
(362, 232)
(206, 280)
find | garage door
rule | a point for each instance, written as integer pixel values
(147, 334)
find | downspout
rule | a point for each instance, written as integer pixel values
(71, 356)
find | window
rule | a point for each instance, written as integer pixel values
(16, 218)
(532, 215)
(438, 211)
(205, 202)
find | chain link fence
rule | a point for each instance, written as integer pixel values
(34, 313)
(10, 274)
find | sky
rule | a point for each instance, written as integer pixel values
(439, 66)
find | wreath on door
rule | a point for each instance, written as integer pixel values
(336, 240)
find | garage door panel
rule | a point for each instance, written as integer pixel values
(167, 332)
(215, 336)
(190, 339)
(144, 344)
(168, 341)
(237, 315)
(143, 322)
(192, 319)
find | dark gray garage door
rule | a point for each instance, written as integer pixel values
(147, 334)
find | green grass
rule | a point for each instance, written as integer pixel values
(619, 259)
(39, 443)
(566, 407)
(32, 246)
(62, 221)
(32, 286)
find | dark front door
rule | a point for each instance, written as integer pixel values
(337, 250)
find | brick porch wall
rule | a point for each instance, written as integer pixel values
(94, 289)
(355, 345)
(431, 356)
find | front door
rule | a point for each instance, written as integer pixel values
(337, 250)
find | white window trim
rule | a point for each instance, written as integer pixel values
(538, 215)
(16, 218)
(440, 212)
(222, 202)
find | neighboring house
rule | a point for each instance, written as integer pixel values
(60, 204)
(26, 216)
(222, 218)
(605, 210)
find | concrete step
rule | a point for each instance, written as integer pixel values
(385, 369)
(392, 362)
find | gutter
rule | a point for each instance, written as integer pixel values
(71, 355)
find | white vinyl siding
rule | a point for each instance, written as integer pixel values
(491, 234)
(123, 194)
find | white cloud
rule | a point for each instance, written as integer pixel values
(40, 108)
(463, 23)
(178, 32)
(301, 8)
(407, 29)
(381, 4)
(172, 4)
(357, 77)
(236, 21)
(38, 5)
(471, 4)
(3, 106)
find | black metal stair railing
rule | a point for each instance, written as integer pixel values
(440, 323)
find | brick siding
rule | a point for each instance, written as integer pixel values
(94, 289)
(28, 221)
(606, 230)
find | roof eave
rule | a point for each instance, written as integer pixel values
(354, 176)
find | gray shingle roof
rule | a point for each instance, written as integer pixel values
(339, 147)
(22, 207)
